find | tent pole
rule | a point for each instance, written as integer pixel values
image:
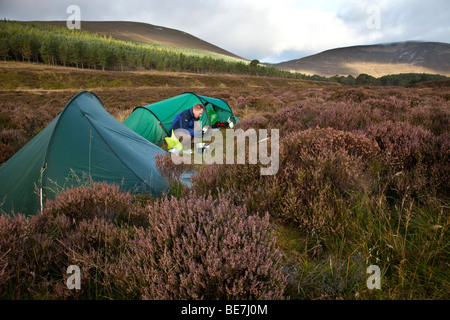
(40, 192)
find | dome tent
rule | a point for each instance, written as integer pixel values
(154, 120)
(83, 140)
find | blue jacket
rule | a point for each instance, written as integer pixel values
(185, 120)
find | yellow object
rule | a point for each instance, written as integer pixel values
(173, 142)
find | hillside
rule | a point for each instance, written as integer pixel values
(60, 46)
(148, 33)
(376, 60)
(37, 76)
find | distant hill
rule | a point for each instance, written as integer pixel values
(59, 46)
(376, 60)
(144, 32)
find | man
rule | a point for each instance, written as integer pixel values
(186, 120)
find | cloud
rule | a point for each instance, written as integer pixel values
(269, 29)
(400, 20)
(264, 29)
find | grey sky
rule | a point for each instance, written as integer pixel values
(268, 30)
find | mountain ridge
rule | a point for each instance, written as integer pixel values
(376, 60)
(146, 32)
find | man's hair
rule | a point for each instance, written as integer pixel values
(198, 106)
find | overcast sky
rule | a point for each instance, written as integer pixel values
(268, 30)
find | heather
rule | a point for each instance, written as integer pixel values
(363, 180)
(196, 247)
(206, 248)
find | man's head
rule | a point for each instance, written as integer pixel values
(197, 110)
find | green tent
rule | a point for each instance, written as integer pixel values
(154, 120)
(84, 140)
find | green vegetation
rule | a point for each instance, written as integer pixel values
(406, 79)
(402, 79)
(59, 46)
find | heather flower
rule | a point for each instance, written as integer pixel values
(198, 247)
(168, 169)
(189, 248)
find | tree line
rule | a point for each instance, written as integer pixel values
(402, 79)
(54, 45)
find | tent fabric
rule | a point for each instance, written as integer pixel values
(154, 120)
(84, 140)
